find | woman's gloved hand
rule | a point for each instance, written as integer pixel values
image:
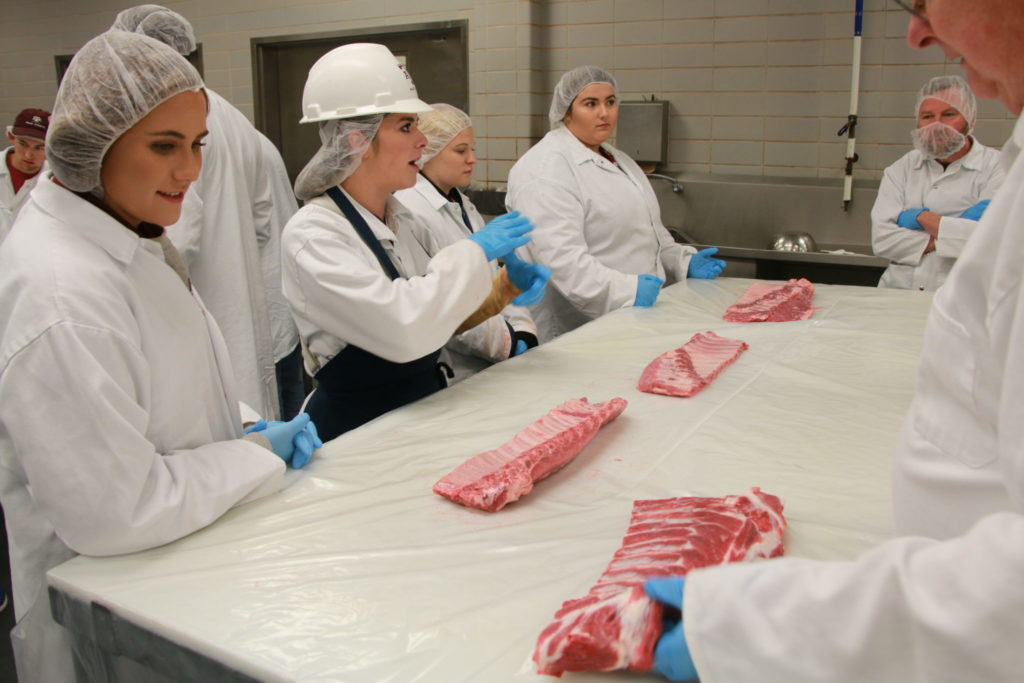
(293, 441)
(529, 278)
(975, 212)
(503, 234)
(908, 219)
(305, 443)
(647, 289)
(671, 655)
(520, 348)
(703, 266)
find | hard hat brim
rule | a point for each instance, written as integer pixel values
(411, 105)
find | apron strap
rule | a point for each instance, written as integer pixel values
(363, 230)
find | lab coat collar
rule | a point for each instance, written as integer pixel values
(395, 212)
(972, 161)
(382, 231)
(96, 225)
(580, 153)
(1018, 132)
(426, 189)
(1011, 150)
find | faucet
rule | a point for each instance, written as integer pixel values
(676, 186)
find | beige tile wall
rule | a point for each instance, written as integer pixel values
(756, 86)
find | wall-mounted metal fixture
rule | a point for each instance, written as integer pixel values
(642, 131)
(676, 185)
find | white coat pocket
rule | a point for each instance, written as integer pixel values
(945, 412)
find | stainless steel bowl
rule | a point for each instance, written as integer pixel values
(794, 241)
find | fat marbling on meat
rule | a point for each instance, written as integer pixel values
(490, 480)
(691, 367)
(770, 302)
(616, 626)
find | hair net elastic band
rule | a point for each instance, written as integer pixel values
(112, 83)
(343, 142)
(570, 85)
(440, 127)
(954, 91)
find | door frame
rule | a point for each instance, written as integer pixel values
(261, 51)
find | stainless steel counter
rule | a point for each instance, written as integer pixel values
(858, 268)
(856, 259)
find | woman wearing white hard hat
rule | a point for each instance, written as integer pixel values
(444, 215)
(598, 222)
(372, 318)
(119, 422)
(930, 201)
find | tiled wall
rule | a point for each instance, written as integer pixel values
(757, 87)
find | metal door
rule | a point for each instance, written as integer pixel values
(435, 55)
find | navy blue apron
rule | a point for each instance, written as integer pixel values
(356, 386)
(455, 197)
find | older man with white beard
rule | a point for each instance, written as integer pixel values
(929, 201)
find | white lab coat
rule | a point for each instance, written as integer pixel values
(229, 235)
(340, 295)
(119, 423)
(275, 205)
(946, 601)
(437, 223)
(597, 227)
(914, 182)
(11, 201)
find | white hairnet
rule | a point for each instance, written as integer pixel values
(342, 145)
(570, 85)
(113, 82)
(440, 127)
(159, 23)
(954, 91)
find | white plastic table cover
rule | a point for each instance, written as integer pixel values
(356, 571)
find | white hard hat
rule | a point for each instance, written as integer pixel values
(356, 80)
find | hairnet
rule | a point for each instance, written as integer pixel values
(570, 85)
(342, 145)
(440, 127)
(113, 82)
(160, 23)
(954, 91)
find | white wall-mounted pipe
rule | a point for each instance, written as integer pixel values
(851, 122)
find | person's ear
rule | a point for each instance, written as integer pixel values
(357, 140)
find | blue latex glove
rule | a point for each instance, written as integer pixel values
(908, 219)
(647, 289)
(671, 655)
(305, 443)
(297, 437)
(503, 234)
(520, 348)
(530, 278)
(703, 266)
(975, 212)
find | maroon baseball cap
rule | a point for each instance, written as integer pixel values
(31, 123)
